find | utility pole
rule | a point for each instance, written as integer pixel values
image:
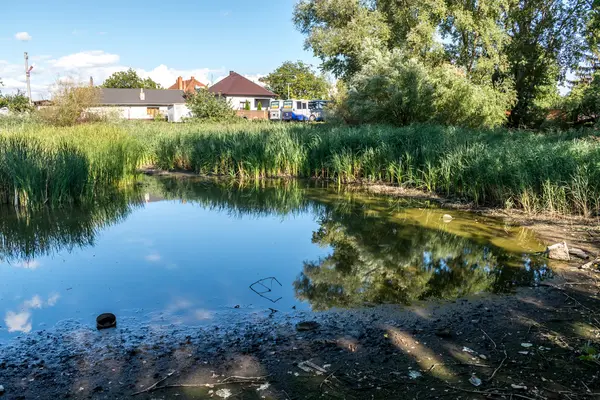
(27, 75)
(288, 90)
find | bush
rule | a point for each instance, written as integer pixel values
(18, 102)
(247, 106)
(71, 104)
(259, 107)
(204, 105)
(399, 91)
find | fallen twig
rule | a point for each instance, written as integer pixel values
(268, 289)
(488, 393)
(499, 366)
(152, 387)
(227, 381)
(488, 336)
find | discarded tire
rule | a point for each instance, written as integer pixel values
(106, 320)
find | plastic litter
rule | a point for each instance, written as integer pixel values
(526, 345)
(475, 381)
(468, 350)
(524, 352)
(522, 387)
(1, 389)
(309, 366)
(223, 393)
(414, 374)
(447, 218)
(264, 386)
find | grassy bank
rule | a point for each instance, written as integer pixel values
(557, 172)
(46, 166)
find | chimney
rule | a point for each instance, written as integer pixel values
(231, 72)
(142, 95)
(180, 83)
(91, 81)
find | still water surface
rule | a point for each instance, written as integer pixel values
(186, 251)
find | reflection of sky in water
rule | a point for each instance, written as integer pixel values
(168, 262)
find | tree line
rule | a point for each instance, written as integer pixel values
(465, 62)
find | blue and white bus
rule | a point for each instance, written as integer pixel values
(275, 110)
(317, 110)
(295, 110)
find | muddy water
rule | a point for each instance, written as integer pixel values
(190, 252)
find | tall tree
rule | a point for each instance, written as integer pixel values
(297, 81)
(129, 80)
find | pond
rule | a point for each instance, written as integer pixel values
(190, 251)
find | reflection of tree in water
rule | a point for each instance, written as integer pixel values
(26, 235)
(374, 260)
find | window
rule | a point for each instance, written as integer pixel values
(298, 105)
(152, 111)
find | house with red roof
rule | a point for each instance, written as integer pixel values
(238, 90)
(188, 86)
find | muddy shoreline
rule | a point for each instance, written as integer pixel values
(532, 338)
(532, 343)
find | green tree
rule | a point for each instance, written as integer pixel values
(259, 107)
(17, 102)
(205, 105)
(247, 105)
(303, 82)
(129, 80)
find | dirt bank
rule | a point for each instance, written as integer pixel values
(524, 345)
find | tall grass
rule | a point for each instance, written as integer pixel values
(47, 166)
(557, 172)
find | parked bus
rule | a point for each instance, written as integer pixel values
(295, 110)
(317, 110)
(275, 110)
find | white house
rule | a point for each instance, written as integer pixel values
(238, 90)
(143, 103)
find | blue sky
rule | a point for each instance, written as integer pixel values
(159, 39)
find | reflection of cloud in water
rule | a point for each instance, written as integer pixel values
(154, 257)
(53, 299)
(35, 302)
(29, 264)
(202, 315)
(20, 322)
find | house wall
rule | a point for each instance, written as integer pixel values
(177, 112)
(131, 112)
(238, 102)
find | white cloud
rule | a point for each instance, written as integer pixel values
(35, 302)
(20, 322)
(85, 59)
(29, 264)
(53, 299)
(168, 76)
(23, 36)
(154, 257)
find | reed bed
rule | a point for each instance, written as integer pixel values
(556, 172)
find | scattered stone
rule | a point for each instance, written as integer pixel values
(522, 387)
(443, 333)
(414, 374)
(483, 356)
(524, 352)
(475, 381)
(447, 218)
(526, 345)
(578, 253)
(468, 350)
(1, 390)
(558, 251)
(307, 326)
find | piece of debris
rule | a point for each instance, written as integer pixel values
(447, 218)
(309, 366)
(524, 352)
(223, 393)
(105, 321)
(1, 389)
(526, 345)
(578, 253)
(595, 264)
(558, 251)
(483, 356)
(468, 350)
(414, 374)
(522, 387)
(475, 381)
(236, 306)
(264, 286)
(443, 333)
(262, 387)
(307, 326)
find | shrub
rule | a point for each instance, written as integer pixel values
(71, 103)
(259, 107)
(205, 105)
(395, 90)
(247, 106)
(18, 102)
